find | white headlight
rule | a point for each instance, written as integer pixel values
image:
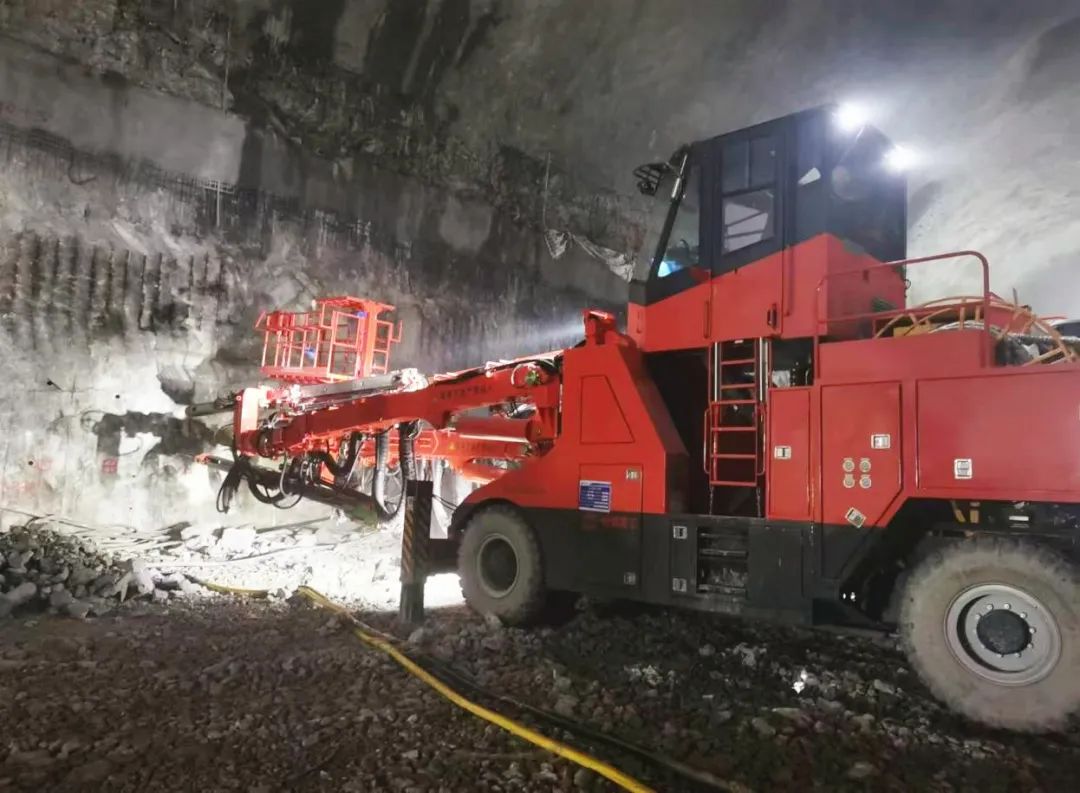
(852, 116)
(899, 159)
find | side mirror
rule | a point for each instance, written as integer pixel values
(651, 175)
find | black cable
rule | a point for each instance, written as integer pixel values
(341, 469)
(299, 494)
(444, 502)
(262, 496)
(229, 487)
(356, 442)
(701, 779)
(407, 432)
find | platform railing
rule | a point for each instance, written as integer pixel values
(823, 323)
(341, 338)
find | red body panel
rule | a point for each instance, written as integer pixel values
(630, 444)
(775, 296)
(680, 322)
(939, 404)
(854, 474)
(745, 303)
(895, 358)
(602, 418)
(789, 454)
(1019, 428)
(930, 399)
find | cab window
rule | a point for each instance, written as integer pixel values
(749, 192)
(682, 250)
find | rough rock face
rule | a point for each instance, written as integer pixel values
(205, 160)
(343, 79)
(475, 94)
(142, 232)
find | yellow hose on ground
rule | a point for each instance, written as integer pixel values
(582, 759)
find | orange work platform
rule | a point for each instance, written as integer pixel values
(341, 338)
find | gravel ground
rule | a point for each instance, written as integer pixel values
(122, 674)
(236, 696)
(767, 707)
(253, 696)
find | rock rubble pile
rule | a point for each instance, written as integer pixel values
(43, 570)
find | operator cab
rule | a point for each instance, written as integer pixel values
(744, 197)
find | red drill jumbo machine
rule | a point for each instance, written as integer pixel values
(778, 433)
(334, 358)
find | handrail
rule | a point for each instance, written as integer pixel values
(988, 348)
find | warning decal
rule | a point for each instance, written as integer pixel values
(594, 496)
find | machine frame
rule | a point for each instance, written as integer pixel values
(777, 433)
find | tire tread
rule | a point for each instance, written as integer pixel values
(533, 605)
(1058, 571)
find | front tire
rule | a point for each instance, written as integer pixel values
(501, 568)
(992, 626)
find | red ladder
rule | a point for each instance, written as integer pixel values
(733, 425)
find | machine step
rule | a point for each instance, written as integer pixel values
(719, 589)
(722, 560)
(722, 553)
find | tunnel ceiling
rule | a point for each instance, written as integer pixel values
(496, 99)
(174, 166)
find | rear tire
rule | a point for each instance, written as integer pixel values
(501, 569)
(992, 626)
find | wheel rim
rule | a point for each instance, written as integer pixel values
(498, 565)
(1003, 634)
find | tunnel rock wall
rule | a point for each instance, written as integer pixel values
(374, 79)
(417, 151)
(542, 108)
(141, 233)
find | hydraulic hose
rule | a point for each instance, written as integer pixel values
(583, 759)
(345, 467)
(700, 779)
(372, 638)
(229, 486)
(241, 470)
(264, 495)
(378, 477)
(407, 432)
(230, 590)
